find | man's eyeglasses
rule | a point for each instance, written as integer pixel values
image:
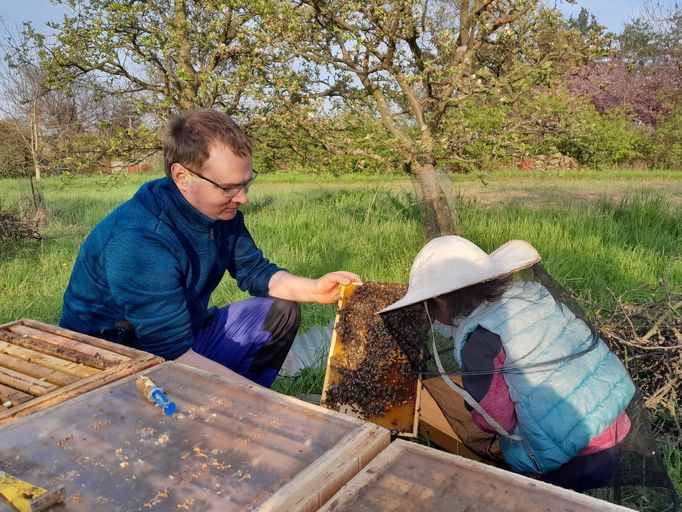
(228, 190)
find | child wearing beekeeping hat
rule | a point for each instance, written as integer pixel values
(532, 371)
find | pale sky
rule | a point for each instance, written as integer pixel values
(612, 13)
(13, 12)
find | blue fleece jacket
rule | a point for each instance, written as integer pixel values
(153, 263)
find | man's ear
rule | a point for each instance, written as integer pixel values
(180, 176)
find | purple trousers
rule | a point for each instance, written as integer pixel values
(251, 337)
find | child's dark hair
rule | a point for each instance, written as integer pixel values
(462, 302)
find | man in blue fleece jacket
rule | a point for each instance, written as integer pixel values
(145, 274)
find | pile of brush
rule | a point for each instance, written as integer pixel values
(646, 333)
(13, 228)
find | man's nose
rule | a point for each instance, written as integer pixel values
(241, 197)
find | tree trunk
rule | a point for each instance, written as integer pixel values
(38, 200)
(436, 217)
(187, 82)
(39, 210)
(35, 141)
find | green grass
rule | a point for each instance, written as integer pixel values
(592, 248)
(673, 460)
(369, 225)
(586, 174)
(307, 381)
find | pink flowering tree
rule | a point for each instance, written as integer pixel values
(647, 91)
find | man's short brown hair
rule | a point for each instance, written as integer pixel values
(190, 135)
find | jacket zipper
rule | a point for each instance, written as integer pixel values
(530, 453)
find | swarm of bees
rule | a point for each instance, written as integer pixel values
(371, 373)
(410, 327)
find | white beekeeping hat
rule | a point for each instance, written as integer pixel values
(450, 263)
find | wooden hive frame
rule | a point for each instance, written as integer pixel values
(42, 365)
(403, 415)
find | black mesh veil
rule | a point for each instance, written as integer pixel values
(412, 328)
(640, 476)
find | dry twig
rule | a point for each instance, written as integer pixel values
(646, 336)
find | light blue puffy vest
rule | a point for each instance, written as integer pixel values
(561, 407)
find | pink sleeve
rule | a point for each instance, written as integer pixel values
(496, 401)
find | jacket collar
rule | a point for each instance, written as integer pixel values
(189, 215)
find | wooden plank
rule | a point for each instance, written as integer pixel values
(9, 324)
(24, 382)
(35, 370)
(265, 451)
(415, 420)
(421, 478)
(77, 388)
(52, 365)
(85, 338)
(341, 464)
(257, 392)
(328, 473)
(62, 365)
(345, 294)
(13, 395)
(242, 395)
(61, 341)
(275, 450)
(55, 350)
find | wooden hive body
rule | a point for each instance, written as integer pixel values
(414, 478)
(42, 365)
(229, 446)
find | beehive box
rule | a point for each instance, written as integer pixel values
(401, 418)
(229, 446)
(42, 365)
(410, 477)
(434, 426)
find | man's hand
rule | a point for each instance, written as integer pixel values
(324, 290)
(328, 287)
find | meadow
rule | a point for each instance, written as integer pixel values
(601, 234)
(598, 235)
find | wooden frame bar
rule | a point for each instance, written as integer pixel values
(42, 365)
